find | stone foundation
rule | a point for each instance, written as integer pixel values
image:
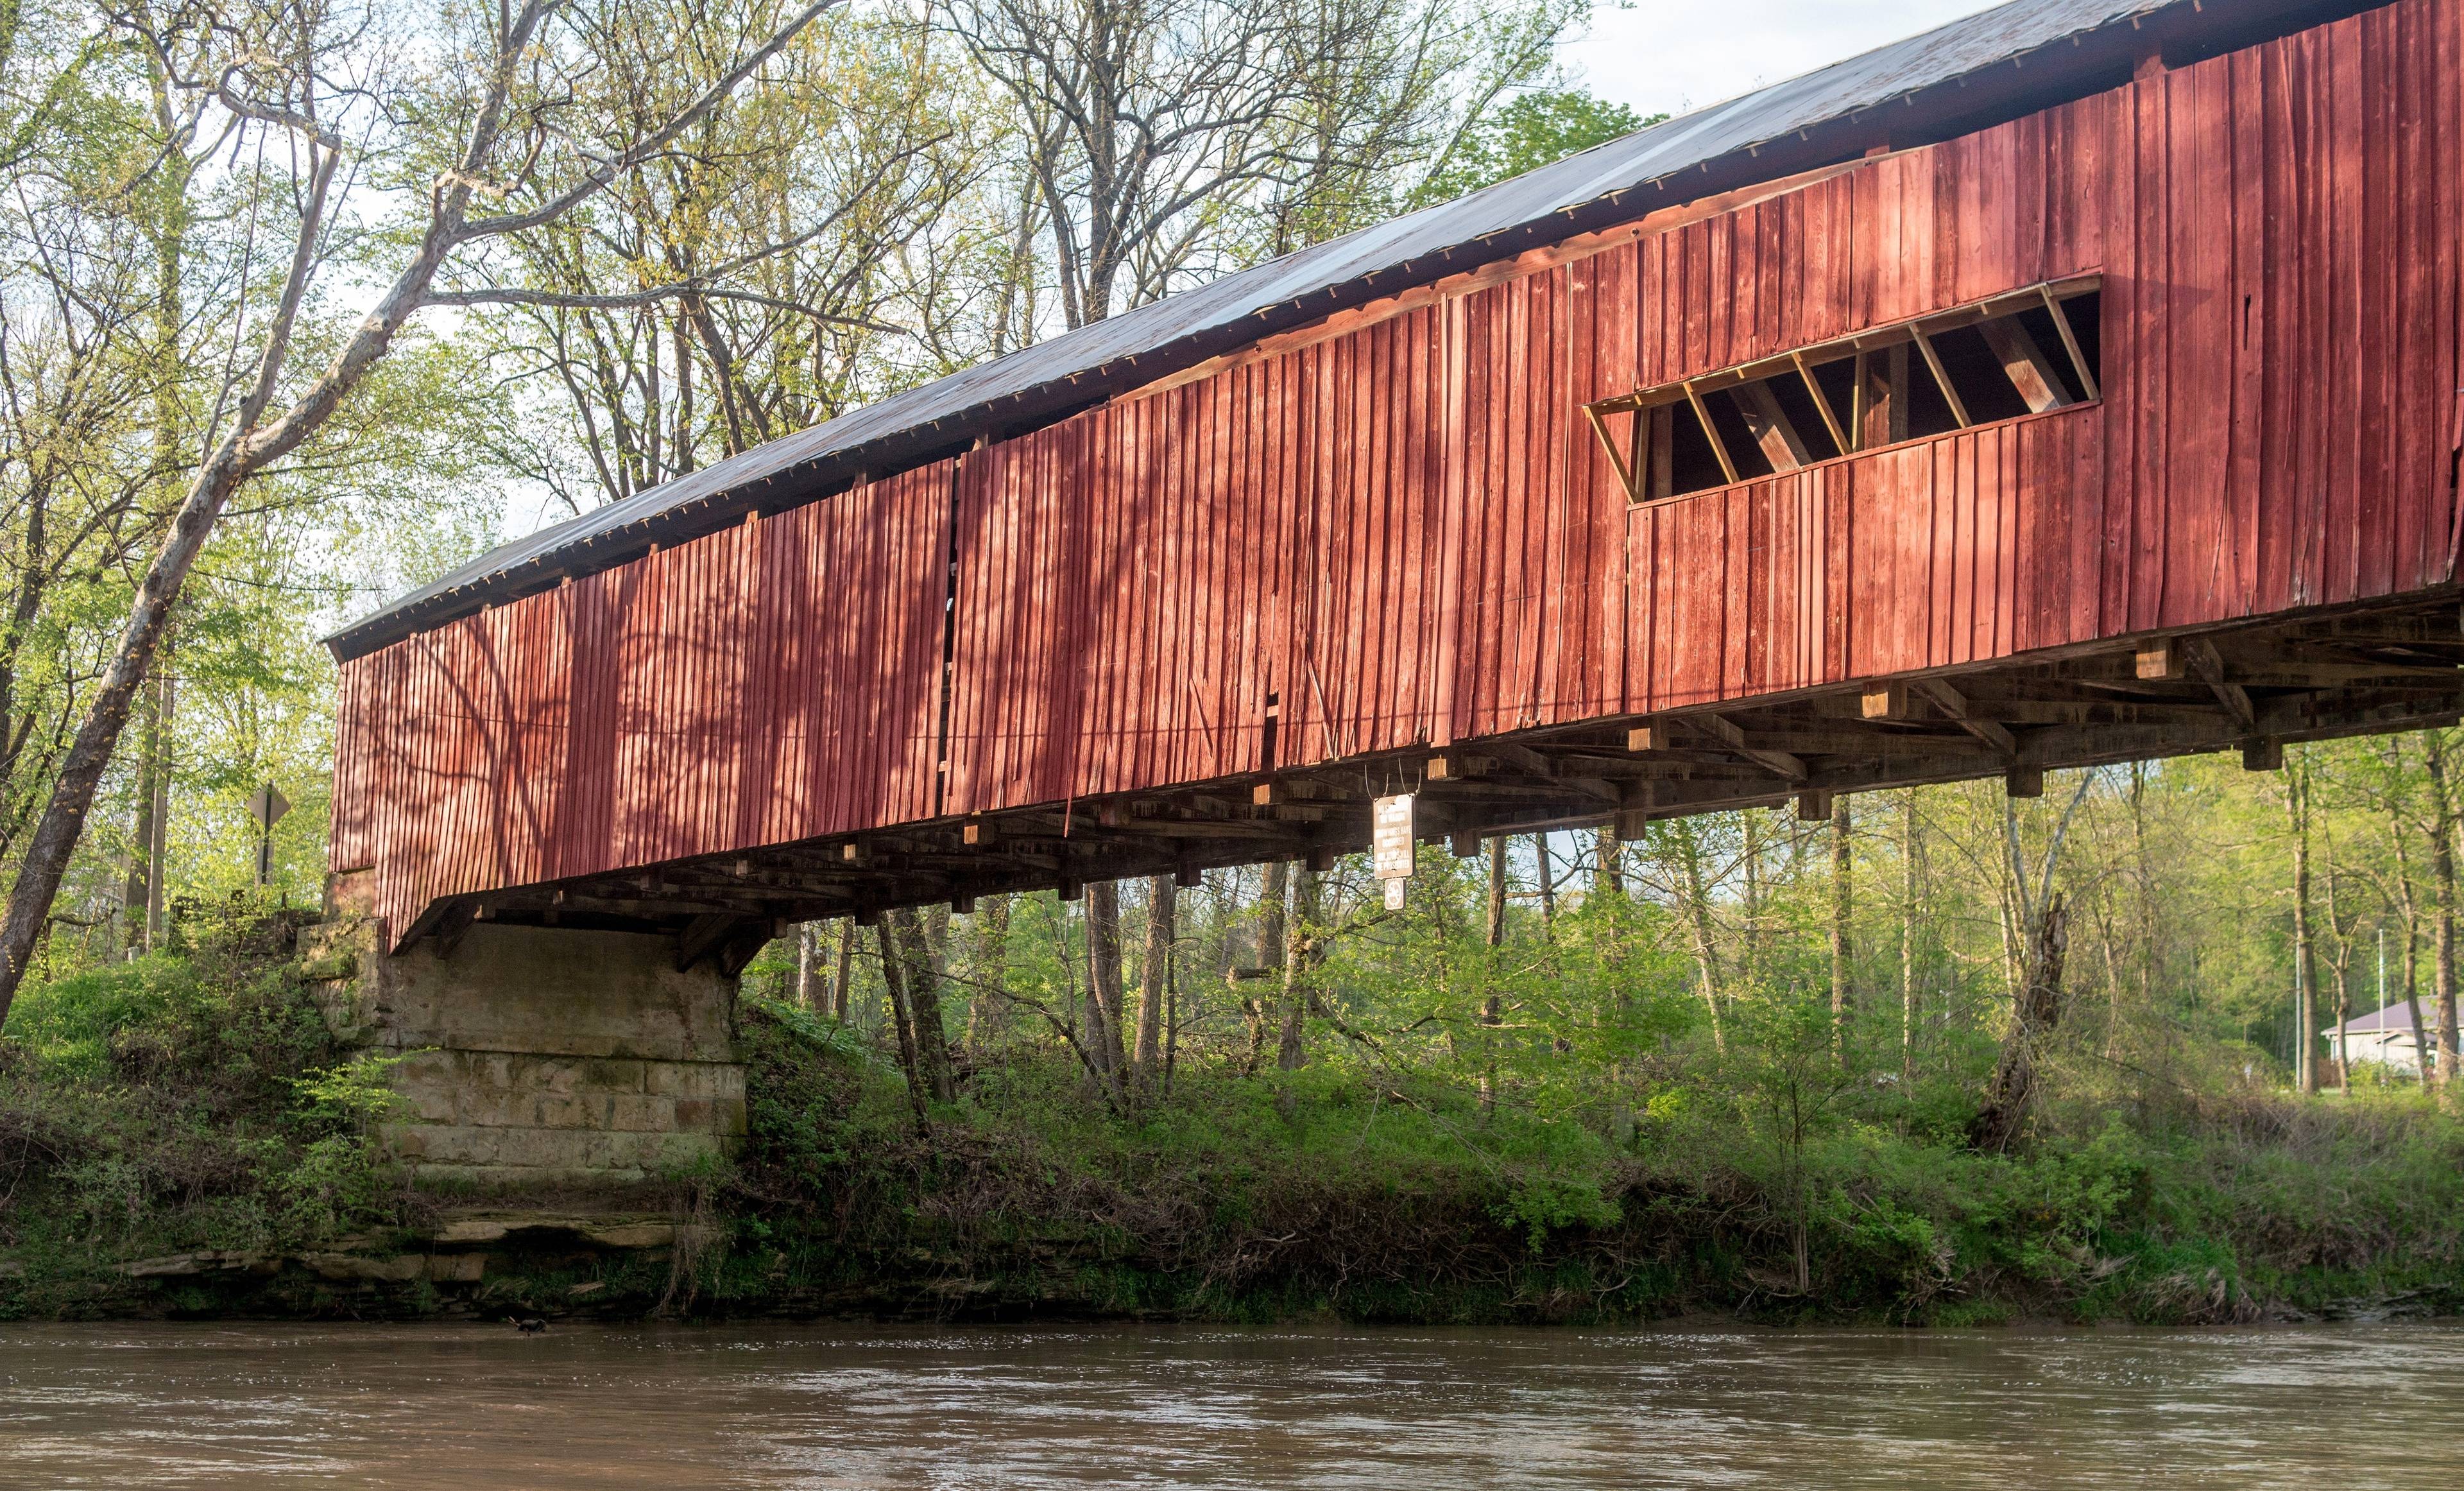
(542, 1057)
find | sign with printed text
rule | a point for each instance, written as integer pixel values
(1390, 837)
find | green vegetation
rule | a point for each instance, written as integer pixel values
(1526, 132)
(1542, 1131)
(191, 1098)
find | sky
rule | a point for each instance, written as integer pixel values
(1671, 56)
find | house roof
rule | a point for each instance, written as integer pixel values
(2395, 1018)
(1995, 65)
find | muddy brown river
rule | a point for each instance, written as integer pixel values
(462, 1406)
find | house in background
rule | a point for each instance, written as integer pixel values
(2385, 1036)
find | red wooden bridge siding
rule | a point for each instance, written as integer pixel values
(1405, 533)
(2277, 232)
(755, 686)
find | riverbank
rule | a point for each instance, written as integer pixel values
(180, 1138)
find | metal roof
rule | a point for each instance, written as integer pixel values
(1997, 64)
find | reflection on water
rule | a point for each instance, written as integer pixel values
(841, 1405)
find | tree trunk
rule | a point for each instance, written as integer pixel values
(1548, 863)
(2305, 968)
(1300, 948)
(1162, 917)
(2411, 909)
(1495, 935)
(1104, 981)
(2143, 875)
(923, 982)
(2442, 865)
(810, 993)
(840, 985)
(1698, 925)
(1492, 1009)
(1908, 937)
(1611, 857)
(1274, 895)
(895, 985)
(143, 899)
(1842, 892)
(991, 973)
(1749, 938)
(2035, 1009)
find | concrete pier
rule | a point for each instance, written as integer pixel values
(540, 1057)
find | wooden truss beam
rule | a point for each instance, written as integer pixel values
(2250, 688)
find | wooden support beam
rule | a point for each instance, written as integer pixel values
(1712, 432)
(2264, 756)
(2030, 370)
(962, 905)
(1885, 701)
(854, 853)
(702, 937)
(2209, 667)
(1263, 795)
(1651, 736)
(2069, 341)
(1813, 806)
(451, 924)
(1619, 461)
(976, 833)
(1880, 411)
(1659, 454)
(1822, 404)
(2024, 781)
(736, 954)
(1188, 876)
(1521, 757)
(1771, 427)
(1953, 704)
(1321, 858)
(1465, 846)
(1726, 732)
(1940, 379)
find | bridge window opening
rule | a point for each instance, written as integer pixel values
(2028, 352)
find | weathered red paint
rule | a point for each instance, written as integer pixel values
(755, 686)
(1403, 533)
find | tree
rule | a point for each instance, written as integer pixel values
(1166, 139)
(1526, 132)
(1842, 910)
(1146, 1059)
(2037, 926)
(489, 128)
(771, 269)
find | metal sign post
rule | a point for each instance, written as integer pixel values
(266, 805)
(1390, 845)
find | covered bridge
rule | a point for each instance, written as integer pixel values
(2074, 383)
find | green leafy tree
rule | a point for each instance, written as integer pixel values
(1524, 133)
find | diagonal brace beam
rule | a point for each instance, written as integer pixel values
(1955, 704)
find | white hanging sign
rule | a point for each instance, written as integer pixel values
(1390, 837)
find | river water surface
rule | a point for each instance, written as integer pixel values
(467, 1406)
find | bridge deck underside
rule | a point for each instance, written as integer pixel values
(2253, 686)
